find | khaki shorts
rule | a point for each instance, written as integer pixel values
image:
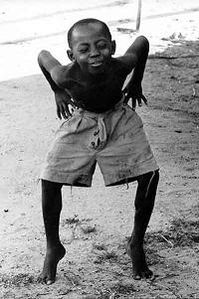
(114, 139)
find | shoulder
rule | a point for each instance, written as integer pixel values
(62, 74)
(124, 63)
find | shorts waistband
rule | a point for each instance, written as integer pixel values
(95, 114)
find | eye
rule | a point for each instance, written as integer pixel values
(102, 45)
(83, 49)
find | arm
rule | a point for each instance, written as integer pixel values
(52, 69)
(133, 88)
(48, 65)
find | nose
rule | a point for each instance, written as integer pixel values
(94, 52)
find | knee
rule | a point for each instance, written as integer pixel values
(151, 182)
(153, 175)
(50, 191)
(149, 178)
(147, 187)
(51, 197)
(50, 186)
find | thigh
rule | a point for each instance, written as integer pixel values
(70, 159)
(127, 154)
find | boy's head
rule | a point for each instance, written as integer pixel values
(91, 45)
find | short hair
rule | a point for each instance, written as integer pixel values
(86, 22)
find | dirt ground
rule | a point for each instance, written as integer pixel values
(97, 222)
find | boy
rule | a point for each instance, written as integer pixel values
(102, 128)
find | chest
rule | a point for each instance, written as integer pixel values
(102, 87)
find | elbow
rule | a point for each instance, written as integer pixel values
(145, 42)
(43, 52)
(40, 56)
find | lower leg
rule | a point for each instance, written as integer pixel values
(51, 206)
(144, 203)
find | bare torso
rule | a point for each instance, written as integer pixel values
(97, 93)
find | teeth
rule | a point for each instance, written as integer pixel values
(97, 64)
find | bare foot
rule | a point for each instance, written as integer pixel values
(53, 256)
(140, 267)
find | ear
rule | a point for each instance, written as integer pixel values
(113, 47)
(70, 55)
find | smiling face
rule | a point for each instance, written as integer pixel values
(91, 48)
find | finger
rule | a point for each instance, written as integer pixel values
(144, 100)
(133, 103)
(63, 111)
(126, 99)
(58, 112)
(67, 111)
(139, 101)
(72, 104)
(71, 109)
(68, 101)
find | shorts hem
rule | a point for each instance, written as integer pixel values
(66, 179)
(116, 180)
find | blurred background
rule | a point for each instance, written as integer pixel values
(27, 26)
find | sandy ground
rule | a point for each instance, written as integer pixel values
(96, 222)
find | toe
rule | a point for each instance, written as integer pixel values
(137, 276)
(50, 281)
(50, 278)
(148, 274)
